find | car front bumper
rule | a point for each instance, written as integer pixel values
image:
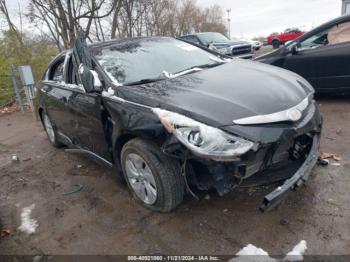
(300, 177)
(285, 153)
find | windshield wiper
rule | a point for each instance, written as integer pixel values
(145, 81)
(167, 75)
(210, 65)
(191, 70)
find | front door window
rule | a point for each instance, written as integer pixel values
(337, 34)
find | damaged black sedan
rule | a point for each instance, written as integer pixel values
(170, 117)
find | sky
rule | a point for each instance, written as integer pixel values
(251, 18)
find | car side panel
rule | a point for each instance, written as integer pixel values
(131, 120)
(326, 68)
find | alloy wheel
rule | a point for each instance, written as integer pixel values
(140, 178)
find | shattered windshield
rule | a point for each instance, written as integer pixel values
(153, 58)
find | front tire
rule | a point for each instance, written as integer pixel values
(154, 179)
(50, 131)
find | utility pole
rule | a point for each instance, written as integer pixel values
(229, 21)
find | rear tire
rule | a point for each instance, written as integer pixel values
(276, 44)
(153, 178)
(50, 131)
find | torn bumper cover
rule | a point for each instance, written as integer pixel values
(285, 152)
(296, 180)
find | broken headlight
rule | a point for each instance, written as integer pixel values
(203, 140)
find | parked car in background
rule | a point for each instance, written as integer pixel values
(220, 43)
(166, 116)
(276, 40)
(256, 45)
(321, 56)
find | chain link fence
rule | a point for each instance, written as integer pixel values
(12, 92)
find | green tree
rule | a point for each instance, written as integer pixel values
(36, 52)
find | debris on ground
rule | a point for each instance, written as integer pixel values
(333, 156)
(207, 197)
(225, 210)
(28, 225)
(323, 162)
(339, 131)
(335, 164)
(4, 232)
(14, 158)
(284, 222)
(79, 166)
(76, 189)
(330, 200)
(10, 108)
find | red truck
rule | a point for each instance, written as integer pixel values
(290, 34)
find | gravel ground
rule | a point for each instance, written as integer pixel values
(103, 218)
(263, 50)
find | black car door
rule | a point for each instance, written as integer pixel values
(56, 96)
(86, 117)
(323, 59)
(86, 113)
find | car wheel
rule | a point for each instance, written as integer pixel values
(276, 44)
(154, 179)
(50, 131)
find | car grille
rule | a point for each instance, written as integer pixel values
(241, 50)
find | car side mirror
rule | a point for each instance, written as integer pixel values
(89, 79)
(292, 49)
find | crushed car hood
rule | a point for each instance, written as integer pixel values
(219, 95)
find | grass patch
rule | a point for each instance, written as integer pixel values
(6, 95)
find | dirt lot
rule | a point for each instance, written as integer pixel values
(103, 219)
(263, 50)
